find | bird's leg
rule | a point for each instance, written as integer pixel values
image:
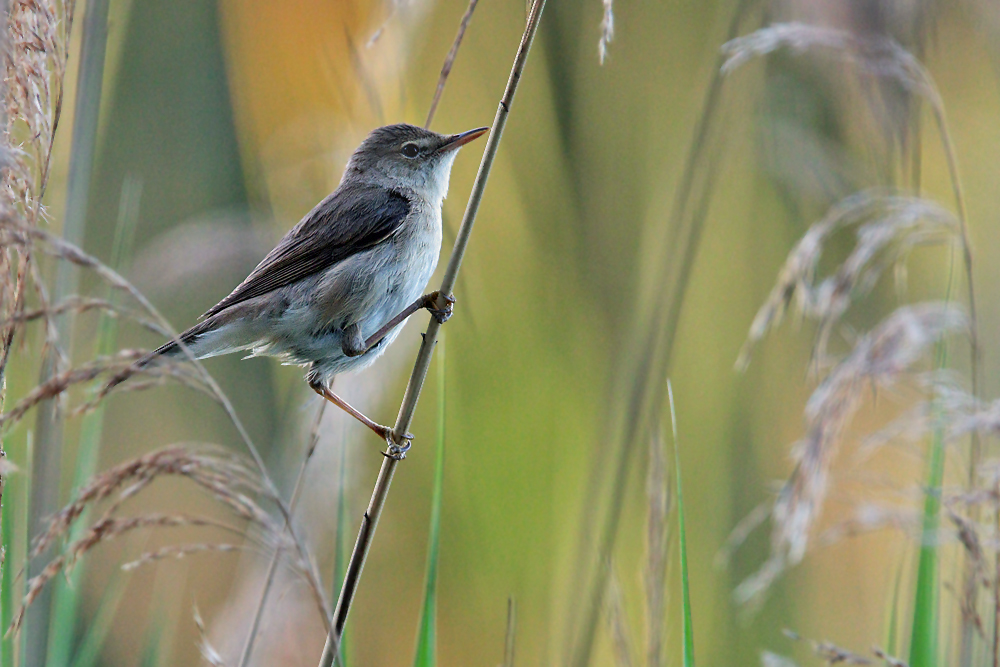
(384, 432)
(428, 301)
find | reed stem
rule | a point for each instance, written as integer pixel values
(370, 519)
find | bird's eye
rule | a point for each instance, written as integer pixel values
(410, 150)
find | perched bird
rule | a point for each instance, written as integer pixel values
(333, 293)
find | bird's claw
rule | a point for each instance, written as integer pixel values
(442, 314)
(393, 450)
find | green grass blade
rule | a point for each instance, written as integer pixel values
(98, 629)
(924, 630)
(688, 629)
(152, 646)
(8, 517)
(427, 634)
(22, 540)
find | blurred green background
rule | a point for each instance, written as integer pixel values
(237, 117)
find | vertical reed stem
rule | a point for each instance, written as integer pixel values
(370, 519)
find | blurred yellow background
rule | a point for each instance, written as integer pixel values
(237, 117)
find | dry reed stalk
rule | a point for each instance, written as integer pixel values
(36, 41)
(370, 519)
(449, 60)
(179, 551)
(82, 304)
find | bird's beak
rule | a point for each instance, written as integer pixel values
(456, 141)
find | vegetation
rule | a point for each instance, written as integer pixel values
(676, 182)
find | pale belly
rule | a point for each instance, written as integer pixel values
(369, 289)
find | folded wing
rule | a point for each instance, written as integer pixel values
(354, 218)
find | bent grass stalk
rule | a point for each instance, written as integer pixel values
(370, 519)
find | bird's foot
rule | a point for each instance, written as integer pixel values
(393, 450)
(441, 314)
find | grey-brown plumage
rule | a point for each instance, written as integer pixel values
(332, 294)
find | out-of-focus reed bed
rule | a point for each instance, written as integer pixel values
(907, 360)
(912, 346)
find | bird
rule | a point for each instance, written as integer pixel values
(333, 293)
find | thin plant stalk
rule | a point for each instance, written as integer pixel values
(341, 544)
(49, 425)
(426, 653)
(508, 644)
(370, 519)
(272, 568)
(449, 61)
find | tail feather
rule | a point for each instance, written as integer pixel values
(172, 349)
(168, 349)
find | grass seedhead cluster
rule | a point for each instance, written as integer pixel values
(879, 360)
(878, 56)
(887, 228)
(230, 480)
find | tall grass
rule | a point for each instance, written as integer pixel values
(842, 259)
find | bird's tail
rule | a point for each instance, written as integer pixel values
(169, 349)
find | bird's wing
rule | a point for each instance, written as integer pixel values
(353, 218)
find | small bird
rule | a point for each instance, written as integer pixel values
(333, 293)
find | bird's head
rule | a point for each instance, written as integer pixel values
(409, 157)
